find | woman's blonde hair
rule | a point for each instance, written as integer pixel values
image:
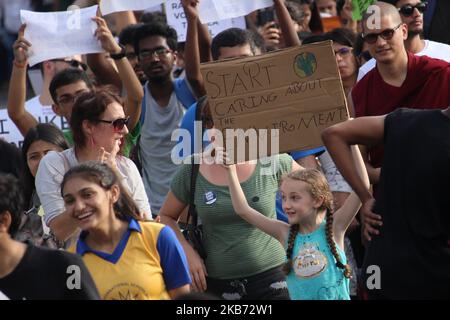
(320, 190)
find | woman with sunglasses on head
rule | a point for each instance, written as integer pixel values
(99, 126)
(412, 14)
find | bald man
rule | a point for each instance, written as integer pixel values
(400, 78)
(411, 12)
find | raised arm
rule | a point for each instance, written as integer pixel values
(191, 50)
(275, 228)
(204, 42)
(128, 77)
(286, 24)
(344, 216)
(367, 131)
(23, 120)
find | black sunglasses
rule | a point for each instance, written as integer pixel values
(408, 9)
(74, 63)
(387, 34)
(118, 124)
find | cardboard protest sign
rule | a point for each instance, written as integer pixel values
(216, 10)
(60, 34)
(296, 91)
(359, 7)
(177, 19)
(110, 6)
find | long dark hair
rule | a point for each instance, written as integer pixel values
(102, 175)
(45, 132)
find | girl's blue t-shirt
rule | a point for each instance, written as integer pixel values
(314, 274)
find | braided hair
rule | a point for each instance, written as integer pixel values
(293, 230)
(318, 188)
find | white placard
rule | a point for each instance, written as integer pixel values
(177, 20)
(60, 34)
(10, 133)
(216, 10)
(110, 6)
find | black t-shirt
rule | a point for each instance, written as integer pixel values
(412, 249)
(46, 274)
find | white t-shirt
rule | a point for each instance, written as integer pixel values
(55, 164)
(432, 49)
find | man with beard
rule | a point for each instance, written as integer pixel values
(165, 102)
(411, 12)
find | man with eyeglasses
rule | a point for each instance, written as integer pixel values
(400, 79)
(165, 102)
(411, 12)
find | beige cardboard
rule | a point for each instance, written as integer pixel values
(296, 90)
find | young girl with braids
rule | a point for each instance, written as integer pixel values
(316, 265)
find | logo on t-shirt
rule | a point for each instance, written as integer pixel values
(310, 262)
(209, 197)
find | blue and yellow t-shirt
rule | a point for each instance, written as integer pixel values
(147, 263)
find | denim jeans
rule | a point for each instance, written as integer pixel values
(267, 285)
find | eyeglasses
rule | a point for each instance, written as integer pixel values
(408, 9)
(365, 55)
(74, 63)
(343, 52)
(157, 53)
(387, 34)
(69, 99)
(118, 124)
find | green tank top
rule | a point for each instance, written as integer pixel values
(234, 247)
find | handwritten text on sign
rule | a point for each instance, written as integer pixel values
(297, 91)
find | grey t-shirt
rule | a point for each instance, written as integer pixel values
(156, 147)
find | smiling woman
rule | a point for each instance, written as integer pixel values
(98, 125)
(113, 236)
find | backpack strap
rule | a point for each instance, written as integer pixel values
(143, 106)
(183, 92)
(195, 167)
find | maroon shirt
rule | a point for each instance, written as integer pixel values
(427, 86)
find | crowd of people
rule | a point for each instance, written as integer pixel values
(104, 201)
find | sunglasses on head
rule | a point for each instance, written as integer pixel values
(74, 63)
(387, 34)
(118, 124)
(408, 9)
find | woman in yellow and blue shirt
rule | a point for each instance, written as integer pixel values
(127, 258)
